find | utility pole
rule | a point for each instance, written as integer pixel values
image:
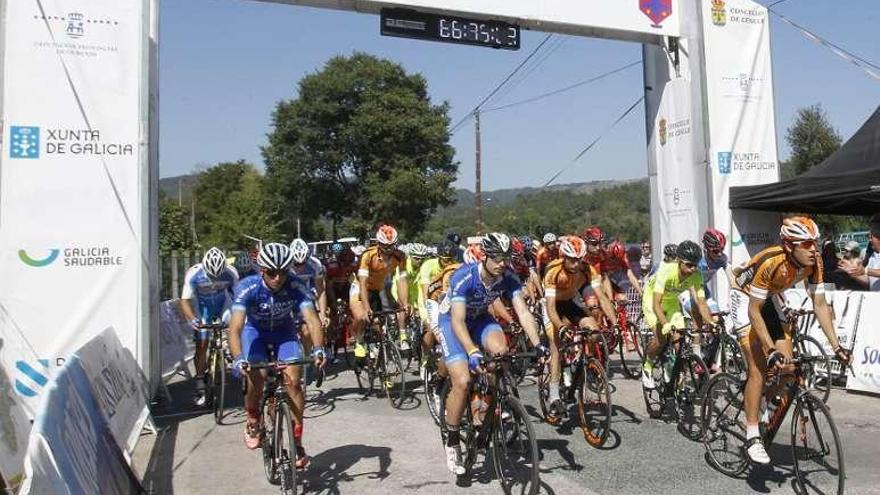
(478, 196)
(180, 192)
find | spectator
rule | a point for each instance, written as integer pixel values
(633, 258)
(835, 271)
(647, 259)
(868, 272)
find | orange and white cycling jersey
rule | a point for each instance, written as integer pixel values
(562, 285)
(377, 267)
(770, 272)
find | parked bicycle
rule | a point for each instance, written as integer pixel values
(582, 375)
(500, 425)
(815, 443)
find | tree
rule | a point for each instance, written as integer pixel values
(361, 144)
(231, 200)
(174, 227)
(811, 139)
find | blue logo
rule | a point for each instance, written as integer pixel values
(24, 142)
(724, 161)
(29, 380)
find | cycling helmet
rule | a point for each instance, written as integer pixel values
(473, 254)
(517, 247)
(214, 262)
(549, 238)
(689, 251)
(796, 229)
(616, 250)
(572, 247)
(299, 251)
(593, 235)
(453, 237)
(527, 242)
(337, 248)
(274, 256)
(670, 251)
(714, 240)
(418, 250)
(386, 235)
(447, 249)
(496, 244)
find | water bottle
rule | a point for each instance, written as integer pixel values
(566, 377)
(374, 351)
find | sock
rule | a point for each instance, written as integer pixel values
(554, 391)
(752, 430)
(454, 438)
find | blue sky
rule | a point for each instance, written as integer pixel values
(225, 64)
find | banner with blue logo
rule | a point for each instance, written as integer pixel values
(72, 449)
(71, 168)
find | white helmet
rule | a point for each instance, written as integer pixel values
(386, 235)
(549, 237)
(418, 250)
(214, 262)
(573, 247)
(358, 250)
(299, 250)
(274, 256)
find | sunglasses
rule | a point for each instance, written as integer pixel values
(688, 264)
(806, 244)
(274, 273)
(501, 259)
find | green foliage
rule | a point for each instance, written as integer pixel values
(174, 227)
(622, 211)
(811, 138)
(361, 144)
(231, 200)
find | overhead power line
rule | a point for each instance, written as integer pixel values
(594, 142)
(566, 88)
(500, 85)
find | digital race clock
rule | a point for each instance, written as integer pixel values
(434, 27)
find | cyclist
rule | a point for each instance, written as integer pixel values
(548, 252)
(464, 320)
(595, 240)
(528, 276)
(766, 342)
(211, 283)
(712, 261)
(263, 314)
(660, 301)
(415, 259)
(311, 273)
(618, 277)
(431, 278)
(369, 292)
(564, 283)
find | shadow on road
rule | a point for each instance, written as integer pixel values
(330, 468)
(560, 445)
(159, 474)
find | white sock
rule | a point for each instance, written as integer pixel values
(554, 391)
(752, 431)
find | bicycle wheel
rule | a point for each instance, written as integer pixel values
(688, 394)
(432, 384)
(519, 368)
(731, 357)
(817, 375)
(654, 401)
(816, 448)
(594, 403)
(285, 450)
(544, 395)
(267, 440)
(218, 386)
(628, 342)
(210, 377)
(390, 371)
(515, 449)
(724, 424)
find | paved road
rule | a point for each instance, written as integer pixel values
(363, 446)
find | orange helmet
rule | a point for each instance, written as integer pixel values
(796, 229)
(616, 250)
(386, 235)
(573, 247)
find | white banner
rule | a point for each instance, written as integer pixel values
(176, 337)
(119, 386)
(70, 199)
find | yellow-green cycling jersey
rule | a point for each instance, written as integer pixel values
(668, 282)
(412, 280)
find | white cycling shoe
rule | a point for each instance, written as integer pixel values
(756, 451)
(453, 459)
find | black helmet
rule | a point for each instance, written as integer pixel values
(447, 249)
(453, 237)
(689, 251)
(670, 251)
(496, 244)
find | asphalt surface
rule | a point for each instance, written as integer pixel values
(361, 445)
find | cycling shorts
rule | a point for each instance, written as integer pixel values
(567, 310)
(432, 315)
(689, 304)
(479, 330)
(255, 345)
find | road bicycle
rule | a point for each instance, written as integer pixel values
(382, 370)
(219, 363)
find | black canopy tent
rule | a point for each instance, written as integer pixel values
(846, 183)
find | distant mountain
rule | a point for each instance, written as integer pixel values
(170, 186)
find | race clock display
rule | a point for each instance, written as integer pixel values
(406, 23)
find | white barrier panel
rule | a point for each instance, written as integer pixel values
(71, 207)
(176, 337)
(119, 386)
(71, 448)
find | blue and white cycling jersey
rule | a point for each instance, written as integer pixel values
(466, 286)
(310, 271)
(709, 267)
(269, 311)
(212, 295)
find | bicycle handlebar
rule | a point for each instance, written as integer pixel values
(213, 326)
